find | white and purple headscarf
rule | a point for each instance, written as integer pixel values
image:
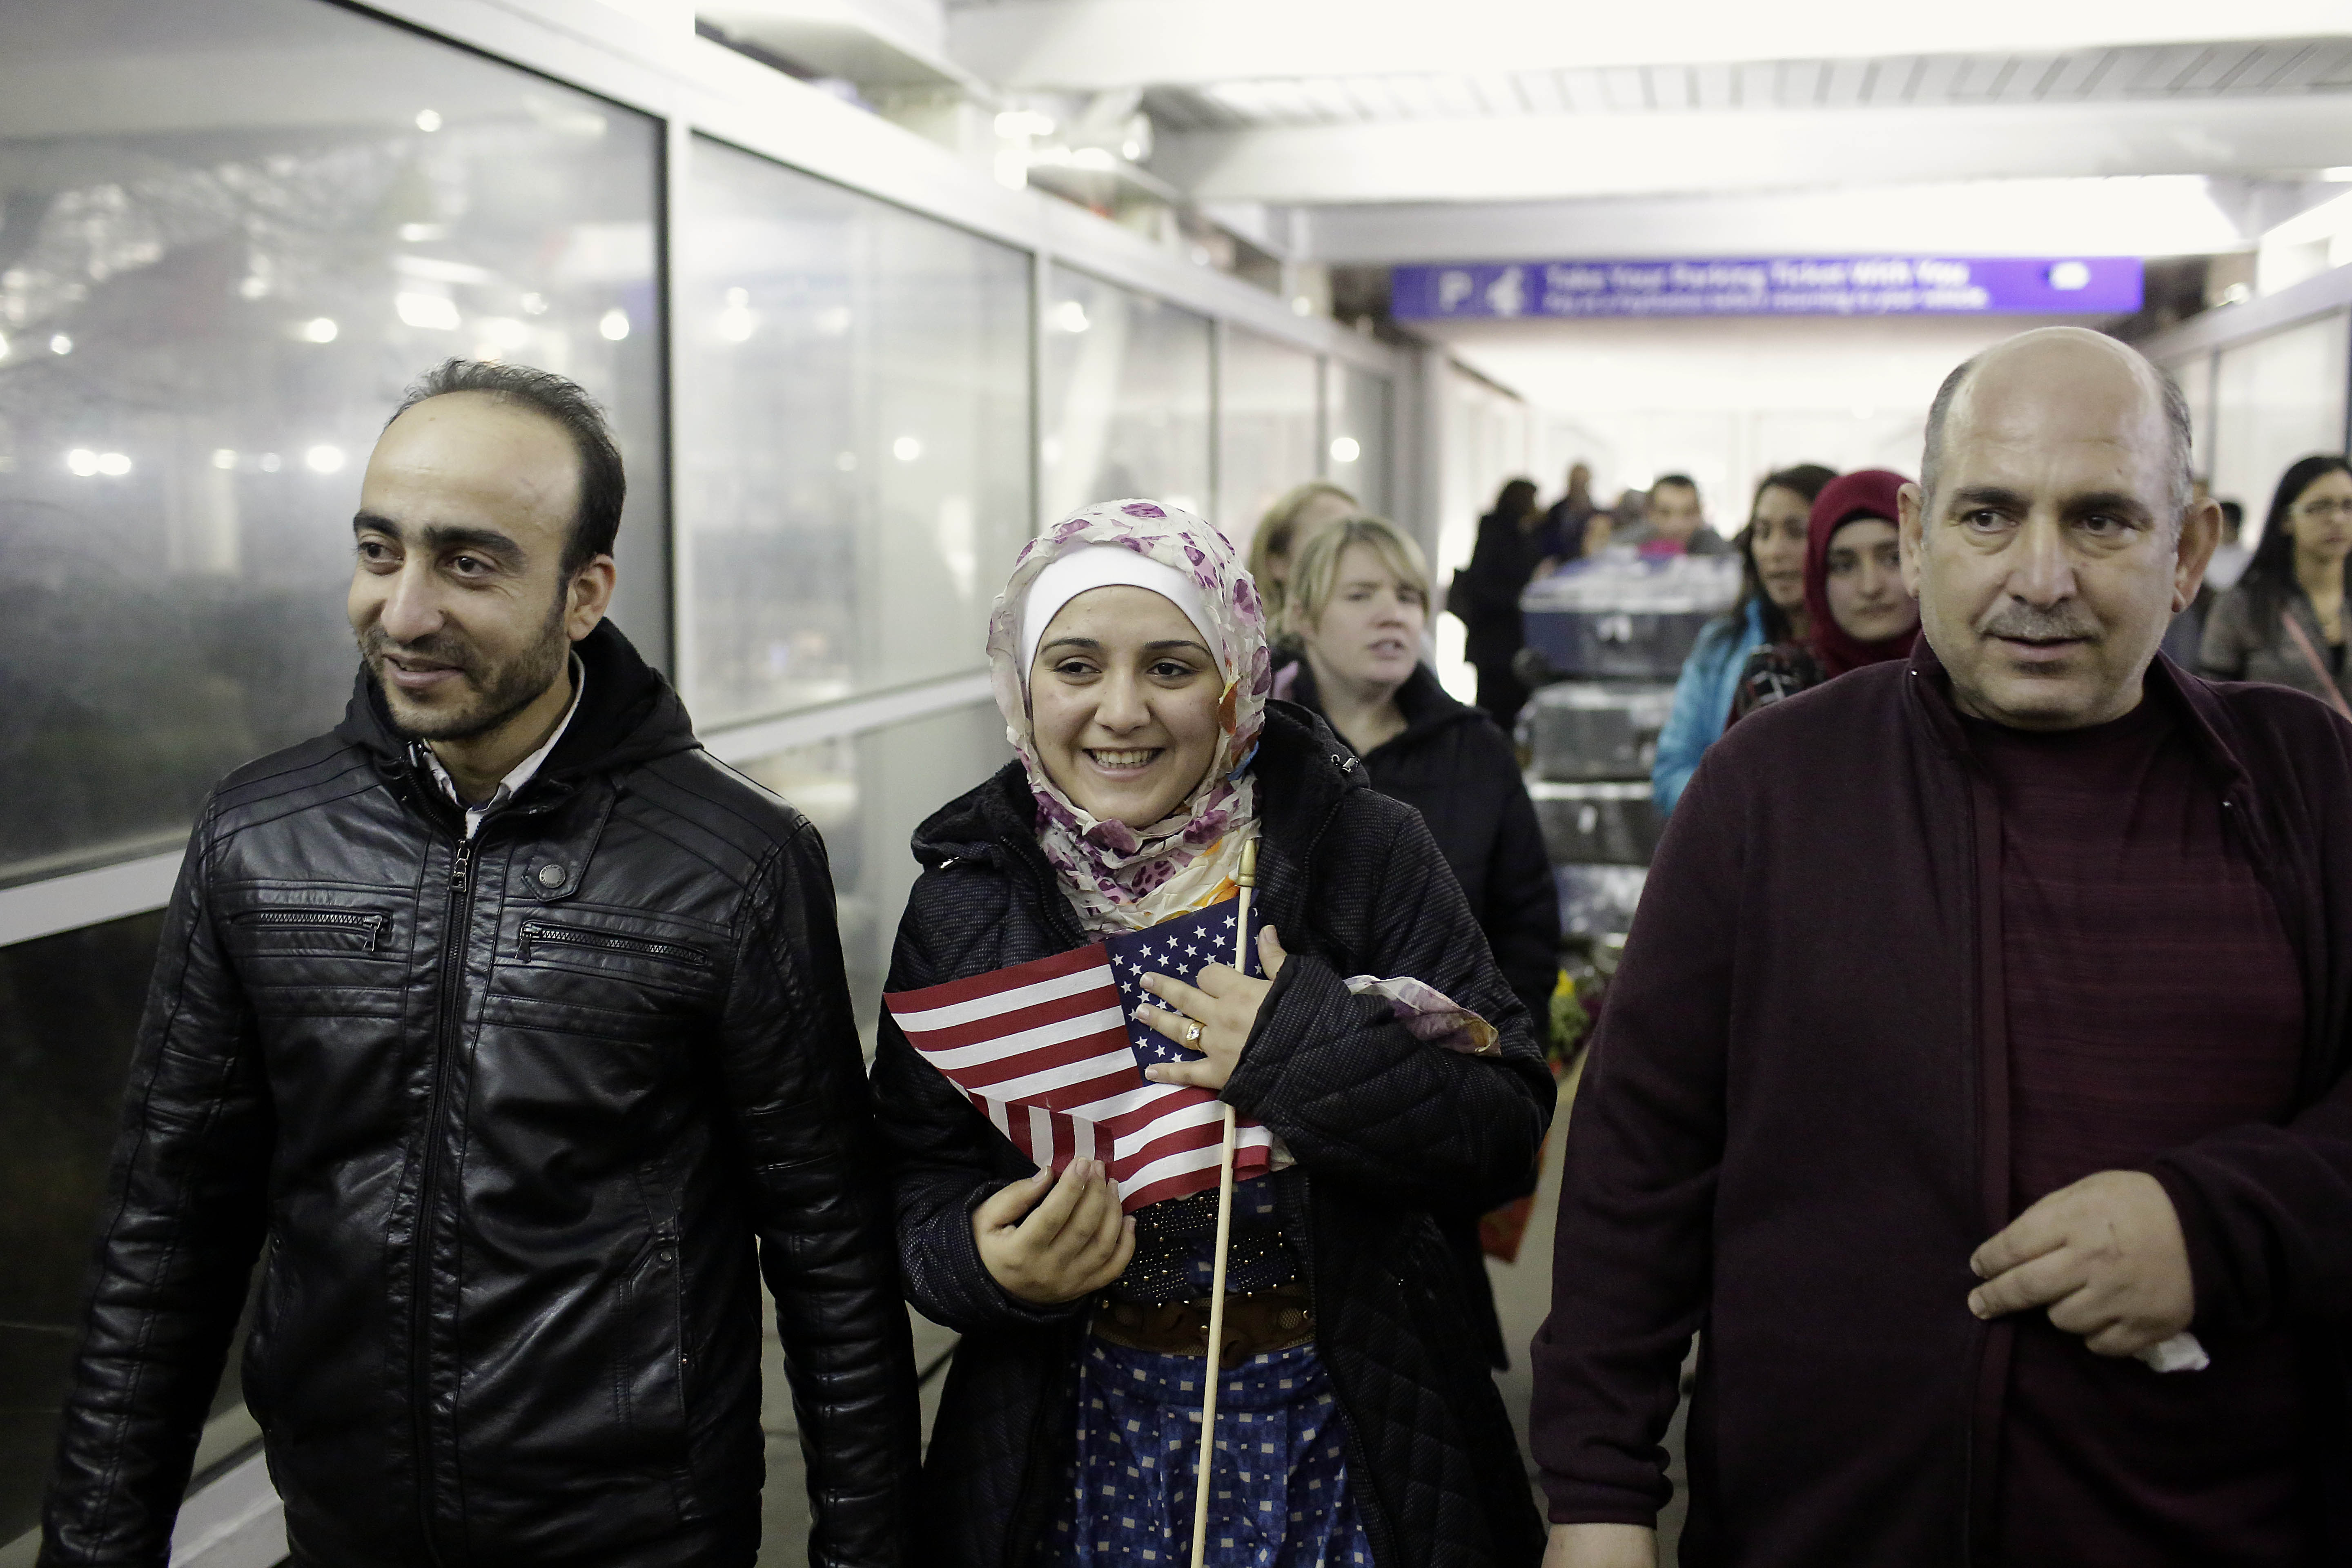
(1121, 877)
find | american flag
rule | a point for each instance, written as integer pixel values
(1052, 1053)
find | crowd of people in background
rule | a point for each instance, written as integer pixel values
(1822, 592)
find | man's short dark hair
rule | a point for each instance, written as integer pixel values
(2177, 421)
(603, 485)
(1663, 480)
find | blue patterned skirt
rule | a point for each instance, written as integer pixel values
(1278, 1495)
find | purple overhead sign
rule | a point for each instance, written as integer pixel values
(1782, 286)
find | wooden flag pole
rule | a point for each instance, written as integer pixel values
(1217, 1268)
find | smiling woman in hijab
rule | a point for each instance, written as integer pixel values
(1130, 659)
(1856, 609)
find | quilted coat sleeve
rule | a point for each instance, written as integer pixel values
(1350, 1091)
(795, 1077)
(183, 1220)
(945, 1159)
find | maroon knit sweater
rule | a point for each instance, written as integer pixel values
(2150, 998)
(1799, 1121)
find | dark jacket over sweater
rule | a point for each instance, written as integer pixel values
(1454, 766)
(1382, 1124)
(509, 1117)
(1794, 1132)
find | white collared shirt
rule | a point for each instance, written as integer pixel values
(522, 771)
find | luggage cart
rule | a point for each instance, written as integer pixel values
(1605, 641)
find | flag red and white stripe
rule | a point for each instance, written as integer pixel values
(1042, 1049)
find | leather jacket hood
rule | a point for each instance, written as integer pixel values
(515, 1124)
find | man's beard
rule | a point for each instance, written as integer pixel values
(501, 690)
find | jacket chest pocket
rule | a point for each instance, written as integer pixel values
(612, 972)
(303, 952)
(323, 932)
(553, 942)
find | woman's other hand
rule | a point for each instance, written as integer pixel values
(1213, 1017)
(1049, 1240)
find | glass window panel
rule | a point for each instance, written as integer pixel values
(2276, 399)
(853, 426)
(1124, 398)
(867, 793)
(229, 235)
(1265, 428)
(1357, 449)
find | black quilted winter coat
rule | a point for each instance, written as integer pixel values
(519, 1123)
(1454, 766)
(1382, 1124)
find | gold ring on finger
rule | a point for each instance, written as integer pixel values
(1192, 1032)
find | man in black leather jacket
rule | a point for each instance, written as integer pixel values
(507, 1022)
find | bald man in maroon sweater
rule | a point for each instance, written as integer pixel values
(1980, 1048)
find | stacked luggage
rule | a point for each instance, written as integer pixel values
(1605, 641)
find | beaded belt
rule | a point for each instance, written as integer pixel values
(1273, 1319)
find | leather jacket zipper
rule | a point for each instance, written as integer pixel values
(611, 941)
(445, 1024)
(317, 920)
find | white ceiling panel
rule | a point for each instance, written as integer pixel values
(1541, 91)
(2154, 217)
(1539, 157)
(1583, 89)
(1091, 44)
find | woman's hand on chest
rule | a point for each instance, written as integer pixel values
(1215, 1017)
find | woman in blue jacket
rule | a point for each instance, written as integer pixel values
(1771, 609)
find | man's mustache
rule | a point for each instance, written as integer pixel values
(2063, 622)
(438, 649)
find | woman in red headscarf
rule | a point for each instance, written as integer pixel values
(1854, 595)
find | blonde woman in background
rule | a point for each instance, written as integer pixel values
(1285, 530)
(1358, 610)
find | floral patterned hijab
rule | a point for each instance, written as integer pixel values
(1120, 878)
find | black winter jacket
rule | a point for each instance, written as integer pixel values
(1382, 1124)
(1457, 769)
(1454, 766)
(508, 1118)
